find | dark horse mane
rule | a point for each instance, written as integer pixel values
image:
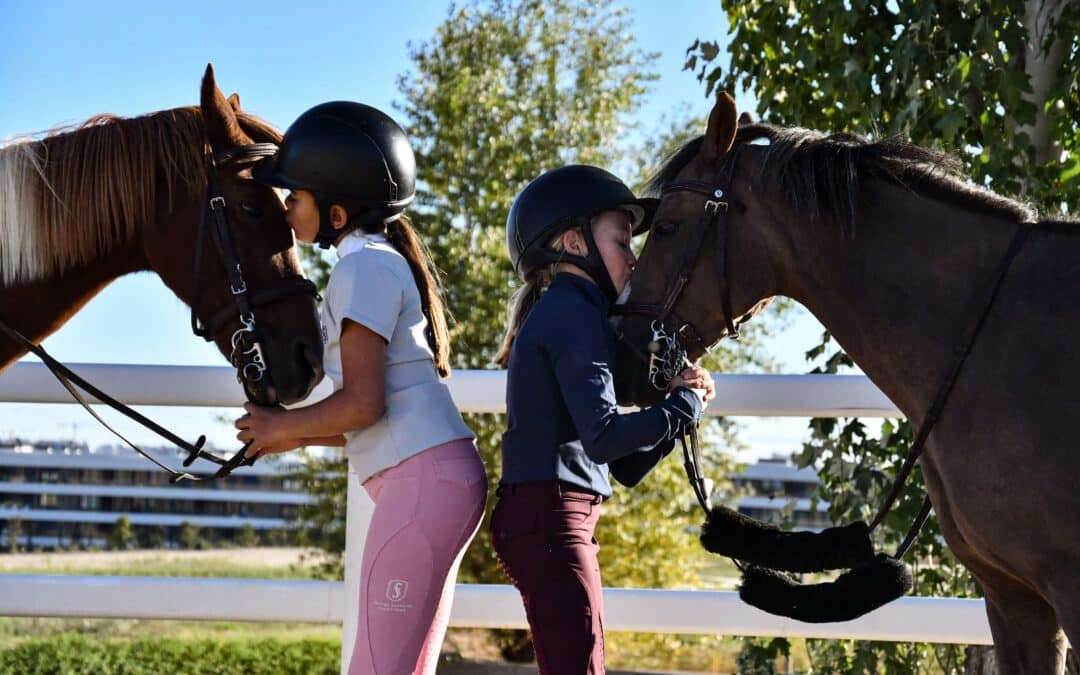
(819, 174)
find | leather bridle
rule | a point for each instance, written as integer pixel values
(667, 350)
(247, 351)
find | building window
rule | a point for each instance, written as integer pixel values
(48, 501)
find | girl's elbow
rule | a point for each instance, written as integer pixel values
(365, 413)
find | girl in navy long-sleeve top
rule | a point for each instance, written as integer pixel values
(569, 236)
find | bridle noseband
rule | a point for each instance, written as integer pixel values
(666, 354)
(247, 340)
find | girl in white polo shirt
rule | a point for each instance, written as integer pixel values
(351, 173)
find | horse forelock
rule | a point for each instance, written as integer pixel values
(69, 197)
(819, 174)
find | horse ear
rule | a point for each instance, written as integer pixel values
(218, 115)
(745, 118)
(234, 102)
(720, 134)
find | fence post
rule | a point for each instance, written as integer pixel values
(358, 510)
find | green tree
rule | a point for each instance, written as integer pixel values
(322, 520)
(152, 536)
(122, 536)
(14, 533)
(997, 83)
(189, 537)
(247, 536)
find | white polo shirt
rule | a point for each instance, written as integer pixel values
(372, 285)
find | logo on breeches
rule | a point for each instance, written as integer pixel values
(396, 590)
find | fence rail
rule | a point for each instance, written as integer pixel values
(915, 619)
(942, 620)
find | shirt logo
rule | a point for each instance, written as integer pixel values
(396, 590)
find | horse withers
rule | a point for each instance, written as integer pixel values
(896, 255)
(170, 192)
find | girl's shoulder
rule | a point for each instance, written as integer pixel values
(377, 260)
(561, 312)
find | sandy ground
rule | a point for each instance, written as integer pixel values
(262, 556)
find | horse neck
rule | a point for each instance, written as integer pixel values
(40, 307)
(901, 295)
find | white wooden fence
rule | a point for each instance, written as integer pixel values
(942, 620)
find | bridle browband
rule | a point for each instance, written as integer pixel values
(247, 355)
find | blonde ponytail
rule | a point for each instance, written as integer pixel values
(521, 303)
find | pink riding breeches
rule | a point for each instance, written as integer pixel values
(427, 509)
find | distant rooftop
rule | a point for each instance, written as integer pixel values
(66, 455)
(777, 469)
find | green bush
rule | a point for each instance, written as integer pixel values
(78, 654)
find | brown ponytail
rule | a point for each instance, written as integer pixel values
(400, 234)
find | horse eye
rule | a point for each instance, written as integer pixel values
(251, 210)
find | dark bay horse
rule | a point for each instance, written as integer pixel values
(81, 207)
(896, 255)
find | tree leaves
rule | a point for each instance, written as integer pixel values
(858, 66)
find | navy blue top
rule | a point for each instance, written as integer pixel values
(560, 400)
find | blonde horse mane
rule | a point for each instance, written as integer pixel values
(69, 197)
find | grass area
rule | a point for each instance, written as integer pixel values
(222, 563)
(14, 630)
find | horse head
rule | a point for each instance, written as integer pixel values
(230, 256)
(705, 267)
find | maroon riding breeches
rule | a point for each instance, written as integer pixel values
(543, 535)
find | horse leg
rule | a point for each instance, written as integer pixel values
(1027, 636)
(1065, 595)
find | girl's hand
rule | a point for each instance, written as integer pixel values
(275, 448)
(697, 379)
(264, 427)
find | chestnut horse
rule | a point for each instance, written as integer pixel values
(897, 256)
(170, 192)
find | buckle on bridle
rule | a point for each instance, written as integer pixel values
(217, 203)
(712, 207)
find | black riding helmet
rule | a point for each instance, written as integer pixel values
(349, 154)
(562, 199)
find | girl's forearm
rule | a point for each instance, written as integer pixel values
(333, 416)
(325, 441)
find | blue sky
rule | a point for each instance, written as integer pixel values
(64, 61)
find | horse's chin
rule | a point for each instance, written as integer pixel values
(262, 395)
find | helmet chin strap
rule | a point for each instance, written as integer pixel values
(327, 235)
(595, 265)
